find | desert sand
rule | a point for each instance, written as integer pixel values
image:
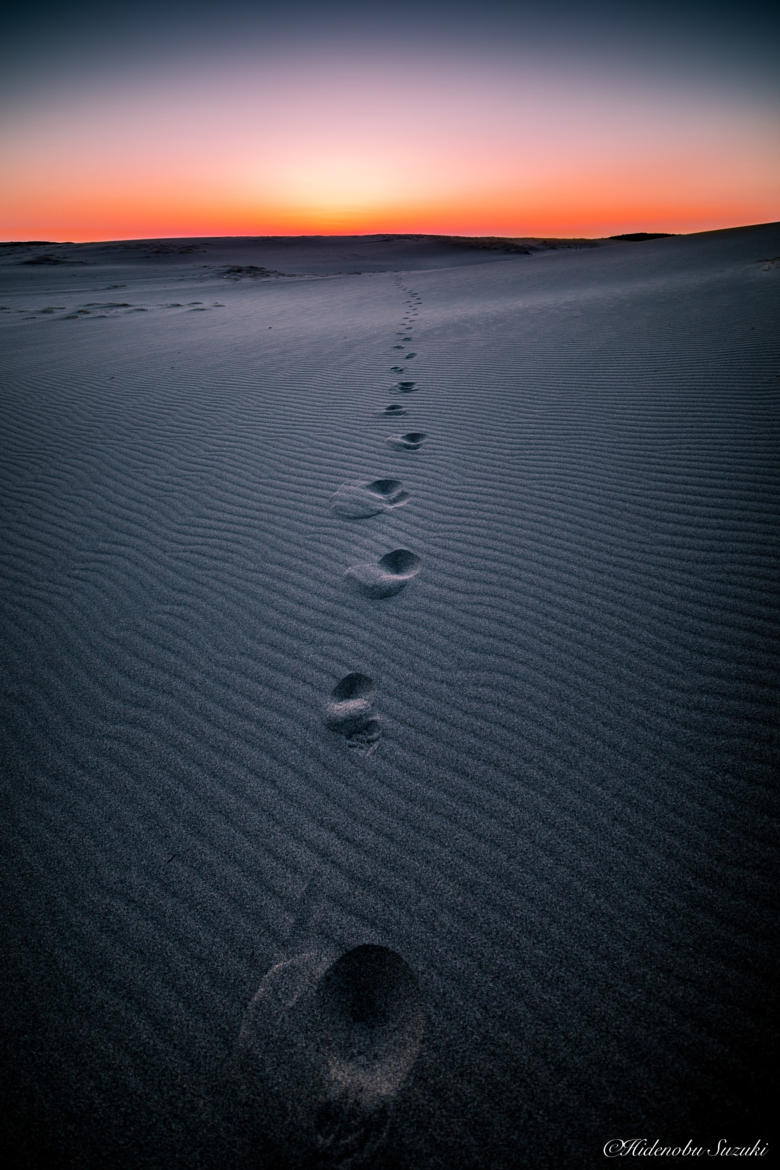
(389, 713)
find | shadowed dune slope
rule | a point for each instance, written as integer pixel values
(566, 827)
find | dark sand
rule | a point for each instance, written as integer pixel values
(544, 795)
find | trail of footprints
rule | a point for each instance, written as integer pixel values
(349, 711)
(327, 1042)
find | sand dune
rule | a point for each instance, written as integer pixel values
(522, 795)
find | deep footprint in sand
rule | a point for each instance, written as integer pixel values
(387, 576)
(325, 1047)
(411, 441)
(406, 387)
(349, 712)
(397, 369)
(359, 500)
(395, 408)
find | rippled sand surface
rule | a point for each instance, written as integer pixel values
(519, 732)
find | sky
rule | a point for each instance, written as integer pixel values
(145, 120)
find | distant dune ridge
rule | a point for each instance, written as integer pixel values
(387, 733)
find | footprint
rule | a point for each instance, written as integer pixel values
(394, 347)
(348, 712)
(358, 500)
(408, 442)
(394, 408)
(371, 1022)
(409, 357)
(388, 576)
(406, 387)
(325, 1047)
(397, 369)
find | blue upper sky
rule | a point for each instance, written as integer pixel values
(735, 42)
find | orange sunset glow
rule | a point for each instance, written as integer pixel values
(324, 145)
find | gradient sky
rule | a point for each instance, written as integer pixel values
(139, 120)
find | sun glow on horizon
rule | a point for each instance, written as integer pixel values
(332, 147)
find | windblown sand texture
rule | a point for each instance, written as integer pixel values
(525, 797)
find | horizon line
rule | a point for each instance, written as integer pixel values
(639, 232)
